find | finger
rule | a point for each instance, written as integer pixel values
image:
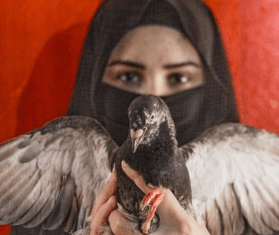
(108, 190)
(102, 215)
(169, 204)
(121, 225)
(135, 176)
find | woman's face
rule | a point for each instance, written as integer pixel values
(154, 60)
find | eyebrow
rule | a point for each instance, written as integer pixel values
(140, 66)
(127, 63)
(178, 65)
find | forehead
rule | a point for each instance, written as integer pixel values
(155, 44)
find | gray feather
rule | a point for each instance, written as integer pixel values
(9, 148)
(36, 206)
(81, 218)
(15, 184)
(63, 206)
(237, 169)
(43, 213)
(71, 221)
(12, 179)
(29, 154)
(34, 167)
(16, 207)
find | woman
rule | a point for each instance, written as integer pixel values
(125, 63)
(123, 57)
(93, 97)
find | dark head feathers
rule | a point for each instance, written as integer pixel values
(150, 102)
(146, 114)
(147, 106)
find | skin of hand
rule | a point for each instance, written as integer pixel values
(104, 205)
(174, 219)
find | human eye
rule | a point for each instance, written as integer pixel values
(178, 79)
(129, 77)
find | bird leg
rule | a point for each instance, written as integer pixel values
(152, 201)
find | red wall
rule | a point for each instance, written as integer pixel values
(41, 43)
(40, 46)
(250, 30)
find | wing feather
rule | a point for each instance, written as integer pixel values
(11, 147)
(42, 195)
(53, 175)
(63, 206)
(68, 161)
(69, 224)
(236, 168)
(213, 218)
(43, 212)
(11, 181)
(16, 207)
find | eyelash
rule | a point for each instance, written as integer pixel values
(135, 79)
(178, 78)
(129, 76)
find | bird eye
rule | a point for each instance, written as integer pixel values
(152, 116)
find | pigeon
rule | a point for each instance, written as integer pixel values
(52, 175)
(151, 149)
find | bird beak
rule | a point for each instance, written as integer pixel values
(137, 137)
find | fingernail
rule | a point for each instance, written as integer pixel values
(151, 186)
(110, 199)
(124, 164)
(113, 177)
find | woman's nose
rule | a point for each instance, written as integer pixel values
(156, 85)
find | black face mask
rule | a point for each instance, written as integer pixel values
(186, 109)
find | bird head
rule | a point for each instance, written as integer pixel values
(146, 113)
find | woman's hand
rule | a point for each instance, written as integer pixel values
(173, 218)
(105, 203)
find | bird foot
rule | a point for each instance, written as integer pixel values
(151, 201)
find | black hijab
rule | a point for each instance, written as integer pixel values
(193, 110)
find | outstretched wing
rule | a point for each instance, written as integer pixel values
(236, 168)
(53, 175)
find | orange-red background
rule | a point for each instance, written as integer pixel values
(41, 43)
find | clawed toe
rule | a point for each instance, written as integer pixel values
(149, 198)
(151, 201)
